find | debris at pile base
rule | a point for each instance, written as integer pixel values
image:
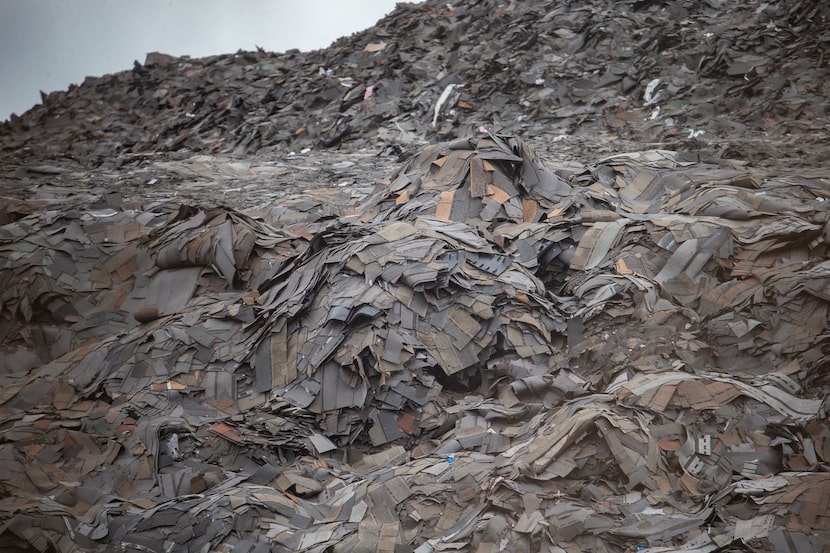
(332, 301)
(611, 358)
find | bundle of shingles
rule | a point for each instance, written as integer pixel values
(481, 355)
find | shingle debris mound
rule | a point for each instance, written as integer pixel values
(479, 354)
(725, 75)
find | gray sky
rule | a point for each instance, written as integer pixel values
(48, 44)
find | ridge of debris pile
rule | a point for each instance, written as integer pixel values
(729, 74)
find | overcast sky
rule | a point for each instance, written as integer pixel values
(48, 44)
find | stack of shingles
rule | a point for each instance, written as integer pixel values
(257, 343)
(65, 272)
(704, 246)
(670, 236)
(111, 381)
(734, 274)
(411, 287)
(361, 311)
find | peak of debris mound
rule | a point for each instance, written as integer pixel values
(730, 73)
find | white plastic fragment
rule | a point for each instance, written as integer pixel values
(649, 96)
(173, 447)
(442, 99)
(704, 444)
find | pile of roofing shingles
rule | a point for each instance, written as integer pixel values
(647, 71)
(480, 355)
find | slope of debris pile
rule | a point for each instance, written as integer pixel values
(479, 352)
(346, 300)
